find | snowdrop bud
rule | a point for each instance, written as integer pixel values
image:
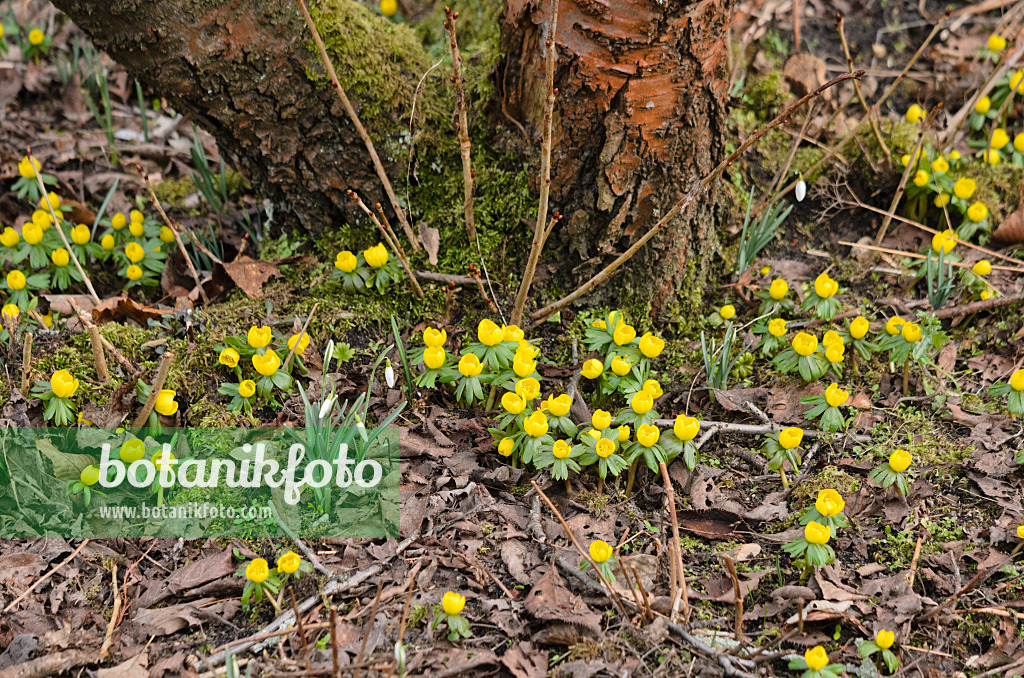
(800, 190)
(327, 406)
(389, 374)
(328, 354)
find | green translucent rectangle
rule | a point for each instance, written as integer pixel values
(222, 482)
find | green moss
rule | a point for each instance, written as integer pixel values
(173, 191)
(479, 35)
(767, 93)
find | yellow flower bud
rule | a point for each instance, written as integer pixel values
(528, 388)
(433, 357)
(642, 402)
(165, 403)
(977, 212)
(835, 396)
(805, 344)
(920, 178)
(134, 252)
(816, 657)
(778, 289)
(915, 114)
(592, 369)
(829, 503)
(523, 366)
(257, 571)
(107, 242)
(996, 43)
(259, 337)
(90, 475)
(60, 257)
(831, 338)
(894, 325)
(600, 551)
(505, 447)
(605, 448)
(346, 262)
(964, 188)
(791, 437)
(513, 333)
(623, 434)
(686, 428)
(452, 603)
(488, 333)
(654, 388)
(884, 639)
(1017, 380)
(9, 237)
(166, 235)
(899, 461)
(647, 435)
(376, 256)
(911, 332)
(32, 233)
(536, 424)
(388, 7)
(859, 327)
(728, 312)
(939, 165)
(470, 365)
(561, 405)
(999, 138)
(816, 533)
(982, 267)
(777, 327)
(601, 419)
(824, 286)
(63, 384)
(132, 451)
(266, 364)
(621, 366)
(118, 221)
(298, 342)
(941, 200)
(624, 334)
(651, 346)
(289, 562)
(561, 449)
(247, 388)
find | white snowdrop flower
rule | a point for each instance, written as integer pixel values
(389, 375)
(800, 190)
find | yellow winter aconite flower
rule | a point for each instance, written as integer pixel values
(816, 533)
(36, 37)
(647, 435)
(1018, 143)
(599, 324)
(259, 337)
(267, 364)
(884, 639)
(944, 240)
(653, 387)
(9, 311)
(1020, 531)
(939, 165)
(60, 257)
(624, 334)
(289, 562)
(728, 312)
(991, 156)
(434, 337)
(136, 228)
(977, 212)
(133, 272)
(778, 289)
(80, 234)
(829, 503)
(488, 333)
(452, 603)
(999, 138)
(621, 366)
(915, 114)
(132, 451)
(90, 475)
(651, 346)
(835, 353)
(816, 657)
(63, 384)
(9, 237)
(389, 8)
(996, 43)
(964, 188)
(911, 332)
(28, 167)
(134, 252)
(376, 256)
(985, 294)
(835, 396)
(592, 369)
(137, 217)
(605, 448)
(561, 449)
(164, 462)
(528, 388)
(920, 178)
(118, 221)
(899, 461)
(824, 286)
(601, 419)
(642, 402)
(941, 200)
(302, 341)
(777, 327)
(433, 357)
(623, 434)
(831, 338)
(512, 403)
(107, 242)
(42, 219)
(166, 235)
(513, 333)
(1017, 380)
(16, 280)
(469, 365)
(165, 402)
(536, 425)
(505, 447)
(523, 366)
(859, 327)
(600, 551)
(247, 388)
(345, 261)
(686, 428)
(894, 325)
(560, 406)
(790, 437)
(257, 570)
(805, 344)
(32, 233)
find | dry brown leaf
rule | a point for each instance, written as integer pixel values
(136, 666)
(1011, 230)
(250, 274)
(805, 73)
(430, 237)
(117, 309)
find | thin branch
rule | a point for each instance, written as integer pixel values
(692, 195)
(357, 123)
(26, 364)
(298, 341)
(392, 242)
(545, 170)
(912, 167)
(462, 126)
(840, 26)
(677, 550)
(154, 391)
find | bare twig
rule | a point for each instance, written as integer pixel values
(26, 364)
(350, 111)
(677, 548)
(737, 594)
(918, 255)
(840, 26)
(298, 341)
(369, 626)
(911, 168)
(98, 356)
(684, 203)
(38, 582)
(154, 391)
(60, 231)
(335, 669)
(392, 242)
(545, 170)
(302, 631)
(177, 236)
(462, 126)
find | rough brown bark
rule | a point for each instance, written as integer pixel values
(642, 87)
(640, 109)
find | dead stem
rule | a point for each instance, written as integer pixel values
(26, 364)
(462, 127)
(177, 236)
(350, 111)
(677, 548)
(97, 351)
(391, 240)
(684, 203)
(298, 341)
(840, 26)
(60, 231)
(545, 170)
(912, 167)
(154, 391)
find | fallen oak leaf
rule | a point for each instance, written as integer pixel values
(251, 274)
(1011, 230)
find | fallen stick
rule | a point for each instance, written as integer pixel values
(154, 391)
(50, 664)
(26, 364)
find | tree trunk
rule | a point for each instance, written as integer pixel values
(642, 87)
(640, 110)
